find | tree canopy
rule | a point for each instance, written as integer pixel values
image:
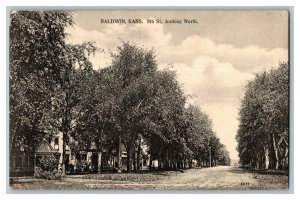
(54, 88)
(264, 120)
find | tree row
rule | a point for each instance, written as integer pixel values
(263, 135)
(54, 88)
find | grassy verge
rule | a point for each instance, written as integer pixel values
(132, 177)
(269, 179)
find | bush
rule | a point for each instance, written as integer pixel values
(48, 168)
(82, 166)
(50, 175)
(140, 178)
(48, 163)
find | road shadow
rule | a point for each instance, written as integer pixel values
(242, 170)
(237, 170)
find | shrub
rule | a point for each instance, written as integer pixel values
(124, 177)
(48, 168)
(48, 163)
(82, 166)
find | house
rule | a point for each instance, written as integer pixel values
(21, 163)
(24, 163)
(76, 160)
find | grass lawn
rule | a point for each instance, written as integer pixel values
(84, 182)
(132, 177)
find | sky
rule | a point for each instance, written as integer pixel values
(214, 58)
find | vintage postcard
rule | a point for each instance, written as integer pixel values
(149, 99)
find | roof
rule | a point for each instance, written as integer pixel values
(44, 147)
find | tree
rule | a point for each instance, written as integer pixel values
(73, 64)
(199, 127)
(34, 50)
(42, 67)
(264, 120)
(53, 88)
(130, 66)
(163, 123)
(95, 124)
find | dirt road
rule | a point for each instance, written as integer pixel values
(222, 177)
(225, 178)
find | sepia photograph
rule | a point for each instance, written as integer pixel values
(149, 100)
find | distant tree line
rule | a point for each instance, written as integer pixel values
(263, 135)
(54, 88)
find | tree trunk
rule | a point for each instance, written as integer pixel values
(139, 154)
(159, 164)
(150, 163)
(119, 155)
(209, 157)
(159, 159)
(276, 153)
(286, 157)
(134, 154)
(64, 155)
(267, 162)
(168, 160)
(99, 161)
(128, 160)
(11, 143)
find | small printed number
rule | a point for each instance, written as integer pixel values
(244, 183)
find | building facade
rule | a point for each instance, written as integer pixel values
(76, 161)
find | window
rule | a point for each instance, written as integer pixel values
(144, 162)
(56, 143)
(67, 145)
(19, 161)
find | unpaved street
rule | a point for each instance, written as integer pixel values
(226, 177)
(222, 177)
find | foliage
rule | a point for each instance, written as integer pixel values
(35, 47)
(34, 50)
(44, 73)
(54, 88)
(48, 168)
(50, 175)
(263, 130)
(48, 163)
(140, 178)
